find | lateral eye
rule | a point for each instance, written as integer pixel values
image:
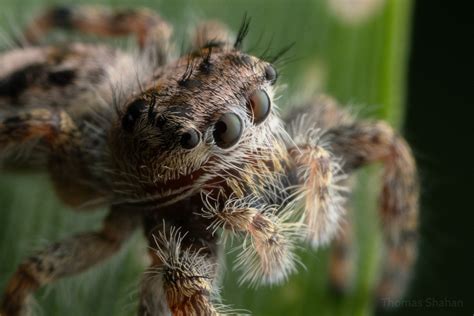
(259, 106)
(228, 130)
(133, 113)
(271, 74)
(190, 139)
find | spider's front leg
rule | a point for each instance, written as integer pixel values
(66, 258)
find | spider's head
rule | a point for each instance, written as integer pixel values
(205, 114)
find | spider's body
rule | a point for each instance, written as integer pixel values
(187, 147)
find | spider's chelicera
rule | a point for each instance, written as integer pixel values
(192, 150)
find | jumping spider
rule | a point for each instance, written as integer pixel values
(190, 149)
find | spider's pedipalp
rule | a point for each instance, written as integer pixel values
(267, 254)
(183, 278)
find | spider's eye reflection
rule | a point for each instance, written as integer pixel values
(260, 106)
(227, 130)
(132, 114)
(190, 139)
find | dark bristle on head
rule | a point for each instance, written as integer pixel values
(243, 31)
(206, 65)
(214, 44)
(278, 58)
(241, 60)
(151, 109)
(275, 58)
(188, 71)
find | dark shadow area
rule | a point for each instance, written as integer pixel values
(439, 125)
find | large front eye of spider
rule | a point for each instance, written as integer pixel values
(132, 115)
(190, 139)
(260, 106)
(227, 130)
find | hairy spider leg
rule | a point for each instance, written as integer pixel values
(65, 258)
(359, 143)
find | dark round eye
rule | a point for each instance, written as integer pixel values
(227, 130)
(190, 139)
(271, 74)
(260, 106)
(133, 113)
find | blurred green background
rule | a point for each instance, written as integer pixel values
(356, 54)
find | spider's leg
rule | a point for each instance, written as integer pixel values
(359, 143)
(362, 143)
(317, 174)
(182, 276)
(53, 127)
(342, 259)
(42, 134)
(211, 34)
(322, 112)
(149, 28)
(65, 258)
